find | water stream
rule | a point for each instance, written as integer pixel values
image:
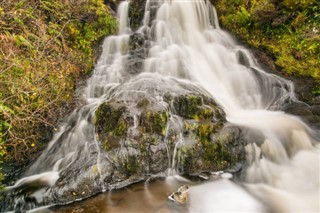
(182, 40)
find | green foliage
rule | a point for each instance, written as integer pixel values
(243, 17)
(288, 30)
(298, 4)
(45, 46)
(5, 112)
(316, 90)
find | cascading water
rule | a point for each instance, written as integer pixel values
(182, 40)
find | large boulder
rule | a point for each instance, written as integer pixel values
(184, 133)
(150, 126)
(170, 127)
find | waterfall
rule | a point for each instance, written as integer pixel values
(183, 41)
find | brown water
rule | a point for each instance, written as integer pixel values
(140, 197)
(216, 194)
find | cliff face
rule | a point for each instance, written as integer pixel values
(46, 47)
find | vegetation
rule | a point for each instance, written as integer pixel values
(111, 124)
(46, 45)
(288, 30)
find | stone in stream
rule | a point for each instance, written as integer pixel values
(181, 195)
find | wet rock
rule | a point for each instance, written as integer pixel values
(136, 11)
(300, 109)
(137, 52)
(185, 132)
(310, 114)
(151, 127)
(181, 195)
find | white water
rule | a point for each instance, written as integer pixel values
(187, 44)
(285, 172)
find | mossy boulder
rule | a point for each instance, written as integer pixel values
(184, 132)
(149, 126)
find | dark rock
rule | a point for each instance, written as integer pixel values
(136, 12)
(300, 109)
(137, 52)
(310, 114)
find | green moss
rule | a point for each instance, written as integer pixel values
(154, 122)
(128, 165)
(111, 142)
(210, 155)
(111, 125)
(187, 106)
(204, 131)
(110, 119)
(298, 4)
(195, 107)
(143, 104)
(316, 90)
(262, 12)
(206, 153)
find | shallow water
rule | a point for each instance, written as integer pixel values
(223, 195)
(141, 197)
